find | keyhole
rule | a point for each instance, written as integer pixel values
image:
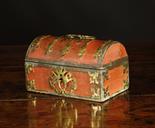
(61, 77)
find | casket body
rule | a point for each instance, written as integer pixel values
(77, 66)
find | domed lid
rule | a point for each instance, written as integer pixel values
(74, 50)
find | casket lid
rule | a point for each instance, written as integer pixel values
(75, 50)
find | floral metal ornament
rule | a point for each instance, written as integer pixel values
(95, 89)
(29, 68)
(105, 75)
(126, 83)
(31, 85)
(93, 77)
(62, 81)
(106, 89)
(106, 92)
(126, 71)
(126, 68)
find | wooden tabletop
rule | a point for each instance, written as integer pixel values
(39, 111)
(132, 109)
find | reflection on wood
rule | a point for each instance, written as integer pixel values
(67, 113)
(96, 116)
(39, 111)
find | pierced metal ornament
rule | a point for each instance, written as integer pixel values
(95, 89)
(29, 68)
(106, 92)
(31, 85)
(62, 81)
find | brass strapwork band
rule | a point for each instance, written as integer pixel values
(84, 37)
(35, 43)
(83, 48)
(66, 49)
(107, 43)
(99, 52)
(50, 46)
(122, 61)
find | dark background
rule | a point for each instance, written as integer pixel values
(123, 20)
(130, 21)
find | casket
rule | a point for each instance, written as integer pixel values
(77, 66)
